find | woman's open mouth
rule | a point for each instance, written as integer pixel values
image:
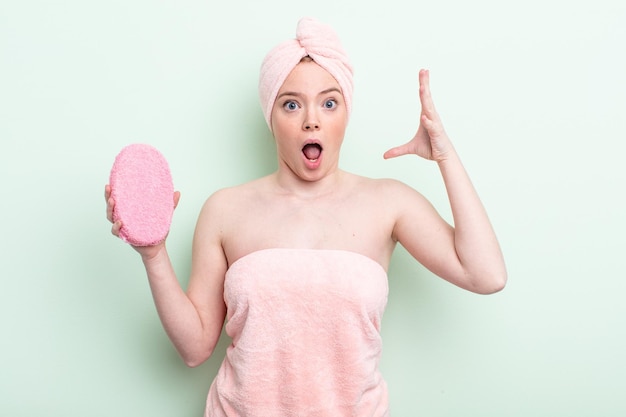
(312, 151)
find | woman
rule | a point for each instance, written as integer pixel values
(296, 261)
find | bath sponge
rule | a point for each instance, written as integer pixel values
(143, 191)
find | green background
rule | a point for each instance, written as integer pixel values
(532, 94)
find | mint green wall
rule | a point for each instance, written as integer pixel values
(532, 93)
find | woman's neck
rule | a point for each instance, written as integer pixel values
(287, 183)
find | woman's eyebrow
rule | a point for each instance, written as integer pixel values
(321, 93)
(330, 90)
(288, 93)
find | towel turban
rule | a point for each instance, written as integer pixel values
(315, 39)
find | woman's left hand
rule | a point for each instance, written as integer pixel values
(430, 141)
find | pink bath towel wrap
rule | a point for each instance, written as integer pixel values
(305, 340)
(143, 191)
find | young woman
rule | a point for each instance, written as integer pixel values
(295, 262)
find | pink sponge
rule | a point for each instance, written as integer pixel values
(143, 191)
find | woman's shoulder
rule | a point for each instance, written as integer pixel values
(380, 185)
(240, 195)
(395, 195)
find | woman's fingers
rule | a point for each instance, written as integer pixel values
(397, 151)
(116, 226)
(115, 229)
(110, 205)
(428, 105)
(176, 198)
(109, 201)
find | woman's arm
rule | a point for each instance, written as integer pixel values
(467, 254)
(193, 320)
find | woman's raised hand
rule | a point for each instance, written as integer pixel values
(430, 141)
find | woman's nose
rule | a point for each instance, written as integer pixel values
(311, 121)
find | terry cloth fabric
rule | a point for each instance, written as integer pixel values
(321, 43)
(143, 191)
(305, 329)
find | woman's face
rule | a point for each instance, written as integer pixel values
(309, 121)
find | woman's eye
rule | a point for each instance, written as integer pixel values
(330, 104)
(291, 105)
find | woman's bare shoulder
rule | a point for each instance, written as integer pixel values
(391, 196)
(382, 186)
(227, 202)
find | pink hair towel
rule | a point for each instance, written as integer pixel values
(321, 43)
(143, 191)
